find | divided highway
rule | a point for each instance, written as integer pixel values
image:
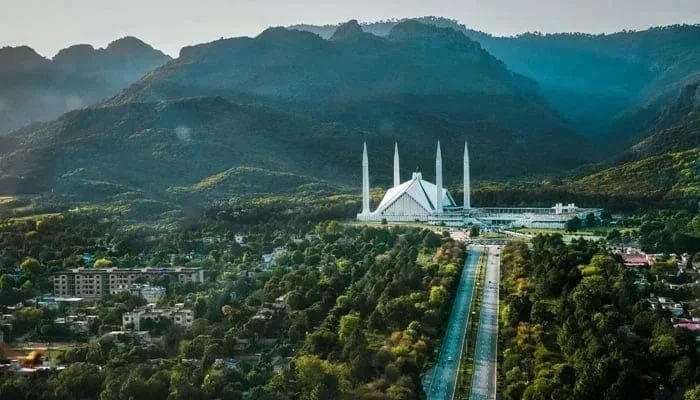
(483, 385)
(444, 379)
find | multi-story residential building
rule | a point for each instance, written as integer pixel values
(96, 282)
(180, 316)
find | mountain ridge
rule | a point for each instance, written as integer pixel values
(38, 89)
(611, 87)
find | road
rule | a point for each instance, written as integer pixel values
(484, 377)
(444, 379)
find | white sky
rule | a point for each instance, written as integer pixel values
(49, 25)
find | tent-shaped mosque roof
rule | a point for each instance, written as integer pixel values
(422, 191)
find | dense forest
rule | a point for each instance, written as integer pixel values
(575, 326)
(355, 313)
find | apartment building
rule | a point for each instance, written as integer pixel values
(97, 282)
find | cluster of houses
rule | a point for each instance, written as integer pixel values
(75, 291)
(269, 309)
(685, 276)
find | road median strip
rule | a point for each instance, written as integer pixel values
(466, 370)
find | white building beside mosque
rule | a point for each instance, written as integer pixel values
(417, 200)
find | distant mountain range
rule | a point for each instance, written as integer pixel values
(606, 86)
(37, 89)
(283, 64)
(288, 110)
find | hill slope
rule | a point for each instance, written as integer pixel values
(191, 145)
(667, 177)
(35, 88)
(614, 84)
(419, 81)
(213, 117)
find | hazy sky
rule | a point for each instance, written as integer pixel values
(49, 25)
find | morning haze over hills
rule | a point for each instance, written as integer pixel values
(35, 88)
(301, 100)
(398, 210)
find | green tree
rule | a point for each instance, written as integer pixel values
(573, 225)
(591, 220)
(693, 393)
(664, 346)
(78, 381)
(320, 379)
(348, 323)
(32, 265)
(211, 353)
(474, 231)
(6, 282)
(103, 263)
(438, 295)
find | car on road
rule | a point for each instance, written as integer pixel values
(450, 359)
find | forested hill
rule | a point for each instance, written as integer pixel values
(35, 88)
(291, 102)
(669, 178)
(675, 128)
(419, 81)
(414, 58)
(213, 145)
(610, 87)
(607, 85)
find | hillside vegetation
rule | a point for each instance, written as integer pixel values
(611, 87)
(35, 88)
(669, 176)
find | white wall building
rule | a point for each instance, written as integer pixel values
(418, 200)
(178, 314)
(413, 200)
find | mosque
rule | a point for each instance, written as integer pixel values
(417, 200)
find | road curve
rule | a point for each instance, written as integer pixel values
(444, 376)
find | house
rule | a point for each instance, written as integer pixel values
(281, 364)
(633, 260)
(229, 363)
(267, 260)
(178, 315)
(270, 259)
(79, 323)
(279, 303)
(664, 303)
(264, 314)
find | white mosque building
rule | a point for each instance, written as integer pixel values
(417, 200)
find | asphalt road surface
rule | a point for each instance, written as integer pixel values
(484, 376)
(443, 382)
